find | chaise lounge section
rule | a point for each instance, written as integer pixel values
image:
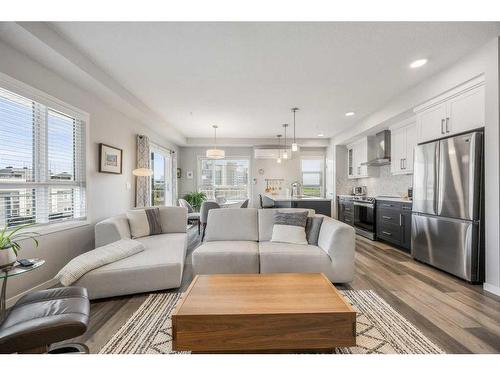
(239, 241)
(158, 267)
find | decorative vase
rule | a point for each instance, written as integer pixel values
(7, 257)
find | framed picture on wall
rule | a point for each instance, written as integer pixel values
(110, 159)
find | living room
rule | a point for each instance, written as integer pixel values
(244, 187)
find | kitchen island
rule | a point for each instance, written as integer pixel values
(320, 205)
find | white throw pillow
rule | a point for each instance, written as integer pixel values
(289, 234)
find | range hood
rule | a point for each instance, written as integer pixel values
(380, 145)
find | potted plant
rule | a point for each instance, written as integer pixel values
(195, 199)
(9, 244)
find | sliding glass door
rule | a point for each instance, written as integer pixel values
(161, 180)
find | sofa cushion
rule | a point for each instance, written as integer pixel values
(226, 257)
(278, 257)
(232, 224)
(158, 267)
(266, 220)
(144, 222)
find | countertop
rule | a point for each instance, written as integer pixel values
(393, 199)
(381, 198)
(288, 198)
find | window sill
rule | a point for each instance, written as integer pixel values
(44, 230)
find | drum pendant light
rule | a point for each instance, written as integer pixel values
(215, 153)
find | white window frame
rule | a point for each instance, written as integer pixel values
(322, 173)
(246, 158)
(40, 97)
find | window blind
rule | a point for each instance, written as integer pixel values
(42, 163)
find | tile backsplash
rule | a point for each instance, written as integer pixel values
(384, 184)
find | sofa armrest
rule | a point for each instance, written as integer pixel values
(110, 230)
(338, 240)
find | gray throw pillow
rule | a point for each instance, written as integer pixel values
(313, 227)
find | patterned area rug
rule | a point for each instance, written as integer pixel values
(379, 328)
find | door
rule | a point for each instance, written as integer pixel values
(459, 176)
(398, 141)
(411, 143)
(448, 244)
(425, 178)
(466, 111)
(364, 216)
(430, 123)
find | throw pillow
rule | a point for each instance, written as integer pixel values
(313, 227)
(289, 227)
(144, 222)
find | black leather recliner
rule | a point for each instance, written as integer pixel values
(42, 318)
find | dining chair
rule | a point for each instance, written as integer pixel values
(193, 217)
(205, 207)
(261, 200)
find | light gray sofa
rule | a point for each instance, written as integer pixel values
(158, 267)
(238, 240)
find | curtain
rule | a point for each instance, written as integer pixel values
(143, 184)
(174, 178)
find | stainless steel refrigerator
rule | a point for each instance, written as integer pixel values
(447, 205)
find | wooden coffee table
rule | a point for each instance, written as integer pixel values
(283, 312)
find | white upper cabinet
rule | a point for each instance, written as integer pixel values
(466, 111)
(457, 111)
(403, 142)
(357, 154)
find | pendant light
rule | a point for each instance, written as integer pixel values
(279, 149)
(295, 146)
(215, 153)
(285, 152)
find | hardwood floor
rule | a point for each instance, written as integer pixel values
(457, 316)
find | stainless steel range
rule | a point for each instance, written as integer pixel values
(364, 216)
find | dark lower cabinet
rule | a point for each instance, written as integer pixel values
(394, 223)
(346, 210)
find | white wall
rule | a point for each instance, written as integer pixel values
(288, 170)
(483, 61)
(107, 194)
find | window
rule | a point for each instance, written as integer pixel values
(312, 176)
(161, 180)
(225, 179)
(42, 163)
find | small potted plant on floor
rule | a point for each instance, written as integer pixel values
(9, 244)
(195, 199)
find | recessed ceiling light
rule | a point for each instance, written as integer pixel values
(321, 135)
(418, 63)
(349, 114)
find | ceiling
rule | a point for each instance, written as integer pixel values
(245, 77)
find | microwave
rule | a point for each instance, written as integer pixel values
(359, 190)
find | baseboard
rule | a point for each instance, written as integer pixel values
(46, 285)
(491, 288)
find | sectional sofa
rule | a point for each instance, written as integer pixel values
(158, 267)
(238, 240)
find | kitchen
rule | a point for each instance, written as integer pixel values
(419, 179)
